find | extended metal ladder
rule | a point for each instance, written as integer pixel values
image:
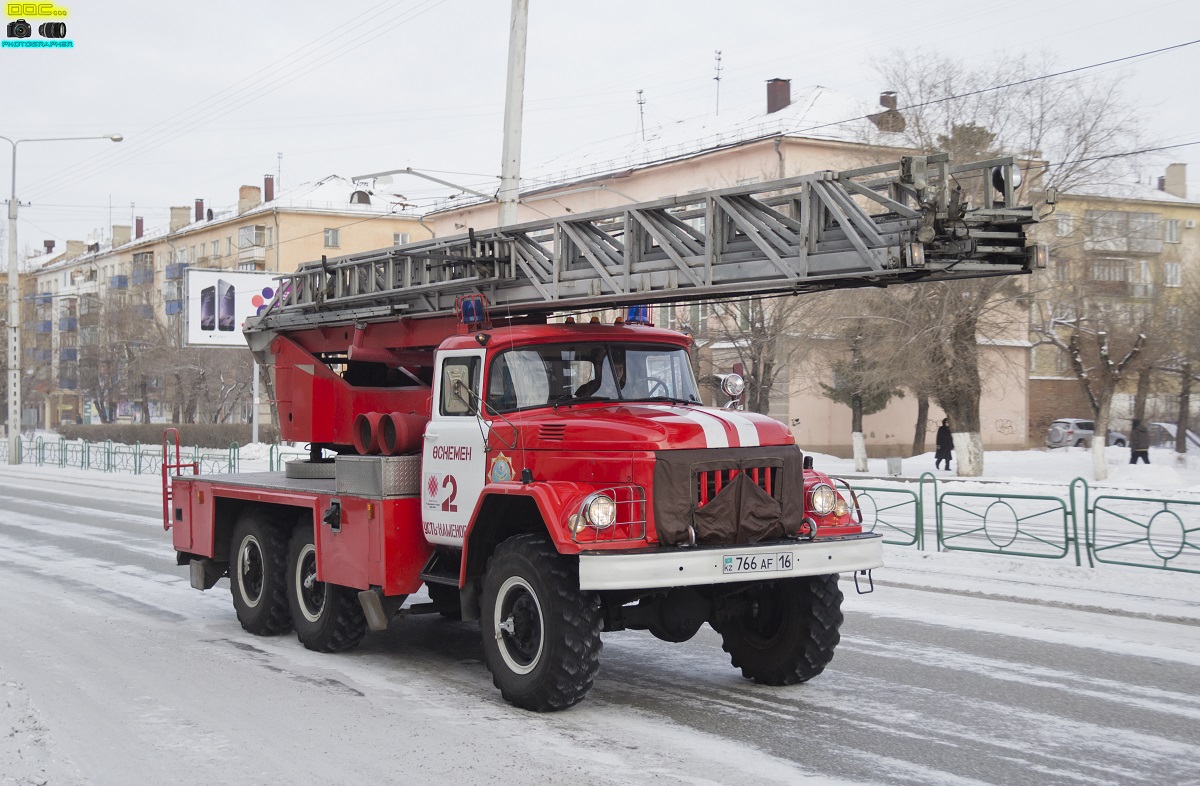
(894, 223)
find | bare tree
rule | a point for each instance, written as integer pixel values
(950, 107)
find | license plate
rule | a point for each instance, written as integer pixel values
(757, 563)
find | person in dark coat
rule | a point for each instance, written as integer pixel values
(1139, 443)
(945, 444)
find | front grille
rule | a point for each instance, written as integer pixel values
(709, 483)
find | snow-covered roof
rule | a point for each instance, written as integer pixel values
(1130, 191)
(816, 112)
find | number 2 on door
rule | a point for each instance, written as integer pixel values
(448, 503)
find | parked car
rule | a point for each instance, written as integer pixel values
(1076, 432)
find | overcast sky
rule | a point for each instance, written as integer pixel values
(207, 94)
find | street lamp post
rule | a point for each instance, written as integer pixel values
(14, 298)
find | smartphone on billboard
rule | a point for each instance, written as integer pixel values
(225, 305)
(208, 308)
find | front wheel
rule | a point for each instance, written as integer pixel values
(328, 617)
(541, 633)
(1120, 443)
(788, 631)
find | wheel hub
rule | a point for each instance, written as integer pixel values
(518, 625)
(250, 571)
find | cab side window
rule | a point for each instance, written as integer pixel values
(460, 386)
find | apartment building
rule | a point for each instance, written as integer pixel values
(1133, 250)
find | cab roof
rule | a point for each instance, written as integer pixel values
(504, 337)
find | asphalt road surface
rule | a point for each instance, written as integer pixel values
(114, 671)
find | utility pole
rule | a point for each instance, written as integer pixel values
(717, 79)
(641, 102)
(514, 99)
(278, 172)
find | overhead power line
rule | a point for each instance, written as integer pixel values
(1007, 85)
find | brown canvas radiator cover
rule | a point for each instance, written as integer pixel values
(728, 495)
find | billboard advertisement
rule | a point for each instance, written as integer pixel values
(219, 302)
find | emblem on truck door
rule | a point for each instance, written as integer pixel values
(502, 469)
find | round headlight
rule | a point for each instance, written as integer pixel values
(733, 385)
(600, 510)
(822, 499)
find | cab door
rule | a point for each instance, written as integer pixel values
(453, 461)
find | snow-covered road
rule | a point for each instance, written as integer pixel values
(959, 669)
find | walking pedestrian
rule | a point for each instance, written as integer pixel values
(1139, 443)
(945, 444)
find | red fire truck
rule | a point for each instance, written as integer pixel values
(556, 478)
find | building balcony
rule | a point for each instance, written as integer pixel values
(173, 307)
(68, 324)
(118, 282)
(44, 299)
(68, 354)
(252, 254)
(175, 271)
(43, 326)
(141, 277)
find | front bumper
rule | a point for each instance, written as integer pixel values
(702, 565)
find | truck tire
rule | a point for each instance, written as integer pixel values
(790, 632)
(309, 470)
(327, 617)
(541, 633)
(258, 574)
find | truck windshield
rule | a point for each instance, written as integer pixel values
(562, 373)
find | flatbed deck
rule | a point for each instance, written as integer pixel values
(276, 481)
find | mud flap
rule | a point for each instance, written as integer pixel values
(378, 608)
(204, 573)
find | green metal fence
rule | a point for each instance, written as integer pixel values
(895, 513)
(1146, 533)
(106, 456)
(1137, 531)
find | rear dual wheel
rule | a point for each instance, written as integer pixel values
(258, 574)
(327, 617)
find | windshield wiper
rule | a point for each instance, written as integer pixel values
(569, 400)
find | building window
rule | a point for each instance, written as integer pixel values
(270, 236)
(331, 238)
(1172, 230)
(252, 236)
(216, 248)
(1173, 317)
(1062, 362)
(229, 245)
(1140, 278)
(1172, 275)
(1109, 270)
(399, 238)
(1065, 225)
(1117, 230)
(191, 253)
(1062, 270)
